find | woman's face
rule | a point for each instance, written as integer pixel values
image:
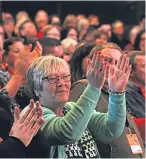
(53, 33)
(55, 94)
(142, 42)
(72, 34)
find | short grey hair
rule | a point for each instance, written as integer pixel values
(41, 67)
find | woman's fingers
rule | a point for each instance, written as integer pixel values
(126, 64)
(128, 71)
(31, 103)
(24, 116)
(32, 121)
(16, 114)
(37, 126)
(39, 108)
(30, 116)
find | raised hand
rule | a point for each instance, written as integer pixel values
(96, 71)
(25, 127)
(119, 74)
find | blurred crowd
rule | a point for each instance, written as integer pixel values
(101, 66)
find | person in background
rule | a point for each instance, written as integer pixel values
(118, 35)
(51, 47)
(69, 32)
(8, 25)
(79, 61)
(100, 37)
(82, 27)
(135, 93)
(21, 16)
(51, 31)
(70, 21)
(68, 46)
(140, 41)
(41, 20)
(135, 90)
(12, 48)
(132, 36)
(108, 29)
(55, 20)
(93, 20)
(28, 29)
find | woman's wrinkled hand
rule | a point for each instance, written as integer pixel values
(27, 126)
(119, 74)
(96, 72)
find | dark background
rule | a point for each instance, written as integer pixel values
(108, 11)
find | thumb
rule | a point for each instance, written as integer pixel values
(16, 114)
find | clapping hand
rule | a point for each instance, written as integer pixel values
(27, 126)
(96, 71)
(119, 74)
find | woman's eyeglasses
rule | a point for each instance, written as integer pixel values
(54, 79)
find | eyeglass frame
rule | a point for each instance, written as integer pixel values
(57, 78)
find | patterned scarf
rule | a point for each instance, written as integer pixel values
(84, 148)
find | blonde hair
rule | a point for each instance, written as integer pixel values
(69, 18)
(67, 42)
(42, 67)
(49, 27)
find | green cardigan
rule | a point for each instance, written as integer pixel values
(65, 130)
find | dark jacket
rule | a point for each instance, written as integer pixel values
(135, 101)
(13, 147)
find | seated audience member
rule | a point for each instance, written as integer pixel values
(119, 147)
(132, 36)
(71, 128)
(79, 61)
(69, 32)
(18, 139)
(51, 47)
(79, 17)
(118, 35)
(8, 25)
(100, 37)
(68, 46)
(41, 20)
(22, 61)
(89, 33)
(140, 41)
(70, 21)
(55, 20)
(12, 48)
(135, 92)
(93, 20)
(51, 31)
(22, 15)
(28, 29)
(82, 27)
(108, 29)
